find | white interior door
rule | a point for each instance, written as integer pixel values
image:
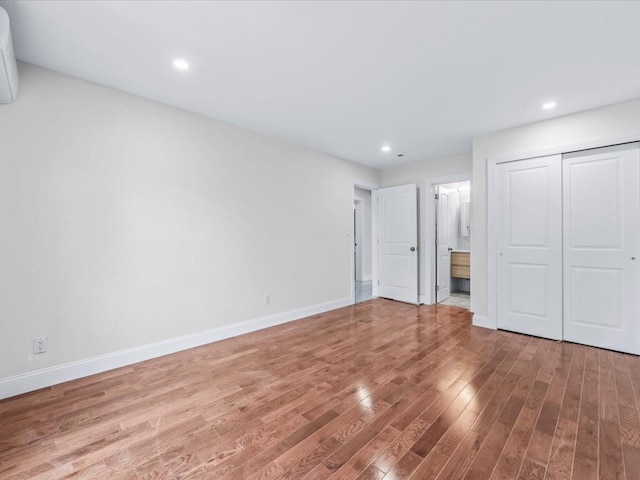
(397, 243)
(529, 232)
(602, 247)
(443, 229)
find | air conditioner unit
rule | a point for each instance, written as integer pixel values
(8, 67)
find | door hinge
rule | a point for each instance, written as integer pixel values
(437, 288)
(378, 282)
(437, 196)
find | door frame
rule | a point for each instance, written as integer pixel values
(491, 321)
(364, 185)
(429, 244)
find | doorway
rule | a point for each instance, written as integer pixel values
(448, 279)
(362, 259)
(393, 240)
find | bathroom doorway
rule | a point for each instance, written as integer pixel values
(452, 231)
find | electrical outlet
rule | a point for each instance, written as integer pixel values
(267, 299)
(40, 344)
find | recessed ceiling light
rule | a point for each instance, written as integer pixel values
(181, 64)
(548, 105)
(386, 148)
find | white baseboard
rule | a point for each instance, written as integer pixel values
(46, 377)
(482, 321)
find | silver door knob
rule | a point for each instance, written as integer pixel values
(413, 249)
(450, 249)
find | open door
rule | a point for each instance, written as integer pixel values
(397, 236)
(443, 268)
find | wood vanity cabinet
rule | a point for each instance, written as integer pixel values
(460, 265)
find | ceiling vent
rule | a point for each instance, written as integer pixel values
(8, 67)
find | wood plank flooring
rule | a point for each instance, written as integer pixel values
(380, 390)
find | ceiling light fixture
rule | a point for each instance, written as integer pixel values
(181, 64)
(548, 105)
(386, 148)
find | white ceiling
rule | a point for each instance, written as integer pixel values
(346, 77)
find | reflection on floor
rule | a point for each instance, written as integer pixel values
(363, 291)
(458, 299)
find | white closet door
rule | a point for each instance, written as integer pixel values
(529, 231)
(602, 247)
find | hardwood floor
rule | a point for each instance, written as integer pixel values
(377, 390)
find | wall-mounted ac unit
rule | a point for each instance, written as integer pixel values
(8, 67)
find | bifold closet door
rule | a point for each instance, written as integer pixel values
(529, 232)
(601, 207)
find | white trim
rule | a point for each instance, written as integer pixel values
(428, 245)
(422, 300)
(372, 187)
(482, 321)
(46, 377)
(492, 262)
(568, 148)
(492, 162)
(374, 243)
(367, 278)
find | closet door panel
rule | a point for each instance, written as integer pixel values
(601, 236)
(595, 296)
(529, 232)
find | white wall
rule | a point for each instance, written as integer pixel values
(417, 173)
(611, 121)
(366, 231)
(124, 222)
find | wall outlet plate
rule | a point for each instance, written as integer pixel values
(40, 344)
